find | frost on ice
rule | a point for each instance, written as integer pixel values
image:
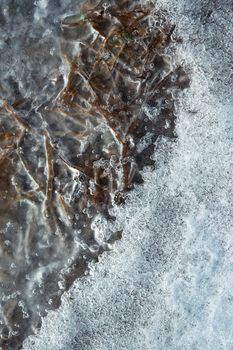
(168, 284)
(77, 129)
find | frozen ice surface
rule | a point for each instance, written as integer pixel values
(168, 284)
(74, 148)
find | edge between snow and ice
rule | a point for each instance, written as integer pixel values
(168, 283)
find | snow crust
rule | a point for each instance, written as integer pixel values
(168, 283)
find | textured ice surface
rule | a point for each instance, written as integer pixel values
(168, 284)
(77, 125)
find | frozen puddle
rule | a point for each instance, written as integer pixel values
(80, 114)
(168, 284)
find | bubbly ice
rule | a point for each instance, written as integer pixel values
(168, 283)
